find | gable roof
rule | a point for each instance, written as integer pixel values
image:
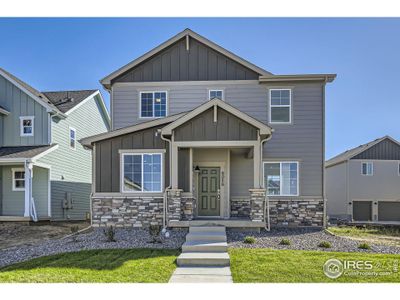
(263, 128)
(355, 151)
(21, 153)
(106, 81)
(32, 92)
(66, 100)
(88, 141)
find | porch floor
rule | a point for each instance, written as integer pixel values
(232, 223)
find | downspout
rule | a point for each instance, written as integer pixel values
(266, 202)
(32, 206)
(169, 185)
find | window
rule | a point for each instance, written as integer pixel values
(142, 172)
(72, 138)
(26, 125)
(216, 94)
(281, 178)
(18, 180)
(153, 104)
(367, 168)
(280, 109)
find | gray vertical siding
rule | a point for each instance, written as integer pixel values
(20, 104)
(184, 169)
(72, 169)
(108, 157)
(176, 63)
(40, 190)
(385, 150)
(302, 140)
(13, 203)
(241, 174)
(203, 128)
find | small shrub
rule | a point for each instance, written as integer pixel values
(154, 231)
(364, 246)
(249, 240)
(109, 233)
(285, 242)
(74, 230)
(325, 244)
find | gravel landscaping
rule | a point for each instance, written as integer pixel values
(95, 239)
(303, 239)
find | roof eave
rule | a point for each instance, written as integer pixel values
(298, 77)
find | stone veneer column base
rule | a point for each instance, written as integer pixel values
(135, 212)
(296, 212)
(257, 200)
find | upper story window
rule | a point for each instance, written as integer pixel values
(281, 178)
(141, 172)
(153, 104)
(216, 94)
(72, 138)
(280, 108)
(367, 168)
(18, 179)
(26, 125)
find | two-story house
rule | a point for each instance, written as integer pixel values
(44, 172)
(200, 135)
(363, 183)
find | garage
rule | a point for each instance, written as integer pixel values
(362, 210)
(389, 211)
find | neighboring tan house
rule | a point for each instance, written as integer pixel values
(198, 133)
(45, 173)
(363, 183)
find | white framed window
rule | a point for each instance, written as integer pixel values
(281, 178)
(367, 168)
(280, 106)
(141, 172)
(18, 179)
(215, 94)
(153, 104)
(72, 138)
(26, 125)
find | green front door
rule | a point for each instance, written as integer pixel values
(209, 192)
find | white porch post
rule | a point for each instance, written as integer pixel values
(27, 189)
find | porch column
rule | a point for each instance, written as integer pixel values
(257, 204)
(174, 205)
(28, 188)
(257, 165)
(174, 166)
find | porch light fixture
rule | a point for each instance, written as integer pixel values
(350, 203)
(197, 169)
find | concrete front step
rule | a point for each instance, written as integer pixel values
(203, 259)
(204, 246)
(222, 271)
(200, 279)
(210, 236)
(207, 229)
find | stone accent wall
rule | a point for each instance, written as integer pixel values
(240, 207)
(174, 204)
(296, 212)
(257, 200)
(188, 207)
(127, 211)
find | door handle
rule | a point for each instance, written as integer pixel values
(219, 194)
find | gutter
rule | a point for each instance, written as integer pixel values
(267, 221)
(164, 230)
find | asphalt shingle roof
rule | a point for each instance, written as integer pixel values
(66, 100)
(23, 151)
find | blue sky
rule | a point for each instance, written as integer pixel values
(362, 103)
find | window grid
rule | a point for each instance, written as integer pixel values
(145, 172)
(280, 102)
(367, 169)
(285, 177)
(18, 179)
(27, 126)
(216, 94)
(72, 138)
(153, 104)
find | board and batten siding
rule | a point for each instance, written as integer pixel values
(19, 104)
(303, 140)
(107, 155)
(71, 169)
(176, 63)
(384, 150)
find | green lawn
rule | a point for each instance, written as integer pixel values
(130, 265)
(265, 265)
(380, 235)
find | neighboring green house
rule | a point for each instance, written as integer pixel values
(45, 173)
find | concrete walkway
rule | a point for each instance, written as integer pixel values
(204, 257)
